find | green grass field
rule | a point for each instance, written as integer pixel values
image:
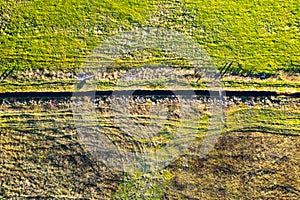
(254, 44)
(260, 39)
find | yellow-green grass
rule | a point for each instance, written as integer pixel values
(260, 37)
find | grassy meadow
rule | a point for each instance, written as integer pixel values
(256, 156)
(253, 44)
(44, 43)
